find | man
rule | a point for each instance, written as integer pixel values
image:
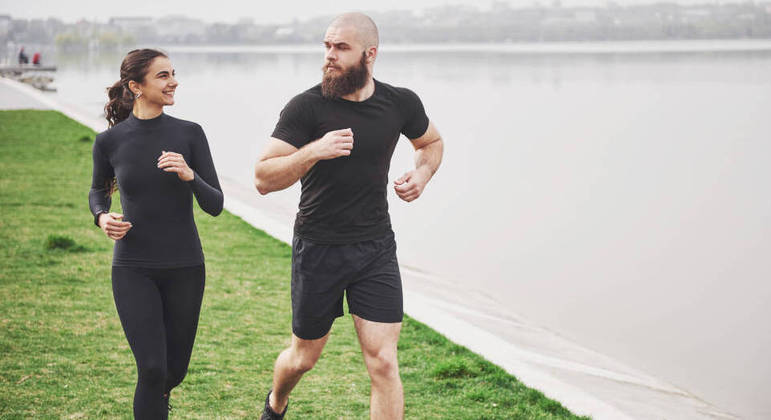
(23, 59)
(338, 138)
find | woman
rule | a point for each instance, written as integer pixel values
(159, 163)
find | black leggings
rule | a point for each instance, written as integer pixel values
(158, 308)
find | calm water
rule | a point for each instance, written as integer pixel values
(621, 200)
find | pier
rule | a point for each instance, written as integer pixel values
(36, 76)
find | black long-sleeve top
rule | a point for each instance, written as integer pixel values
(158, 204)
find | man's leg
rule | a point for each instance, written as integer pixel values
(291, 364)
(378, 342)
(318, 274)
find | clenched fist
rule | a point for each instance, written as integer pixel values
(334, 144)
(410, 185)
(113, 225)
(175, 162)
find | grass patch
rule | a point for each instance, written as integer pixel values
(455, 367)
(54, 242)
(64, 354)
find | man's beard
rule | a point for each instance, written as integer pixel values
(351, 80)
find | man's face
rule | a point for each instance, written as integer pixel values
(345, 66)
(343, 49)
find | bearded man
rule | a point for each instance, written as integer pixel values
(338, 138)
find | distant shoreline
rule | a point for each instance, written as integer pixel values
(588, 47)
(642, 47)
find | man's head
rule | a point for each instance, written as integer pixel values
(351, 43)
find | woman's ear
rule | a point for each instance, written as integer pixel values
(134, 87)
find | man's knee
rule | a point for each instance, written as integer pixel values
(302, 361)
(302, 355)
(303, 365)
(382, 364)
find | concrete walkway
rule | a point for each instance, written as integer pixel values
(16, 96)
(584, 381)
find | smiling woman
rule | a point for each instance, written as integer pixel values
(159, 163)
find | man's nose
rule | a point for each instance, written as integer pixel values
(331, 55)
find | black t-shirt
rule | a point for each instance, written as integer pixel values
(158, 204)
(343, 200)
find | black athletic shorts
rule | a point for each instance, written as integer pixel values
(366, 271)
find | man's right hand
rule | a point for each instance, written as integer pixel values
(113, 225)
(334, 144)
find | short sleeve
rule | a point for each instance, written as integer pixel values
(295, 124)
(415, 118)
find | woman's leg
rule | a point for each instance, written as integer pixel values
(182, 293)
(138, 301)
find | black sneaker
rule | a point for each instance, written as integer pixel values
(268, 413)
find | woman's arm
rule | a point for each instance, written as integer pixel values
(205, 184)
(99, 197)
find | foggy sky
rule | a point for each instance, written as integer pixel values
(230, 11)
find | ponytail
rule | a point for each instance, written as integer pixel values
(120, 104)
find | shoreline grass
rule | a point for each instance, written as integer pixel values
(64, 354)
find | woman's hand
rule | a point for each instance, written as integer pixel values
(174, 162)
(113, 225)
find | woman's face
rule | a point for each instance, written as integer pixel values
(159, 84)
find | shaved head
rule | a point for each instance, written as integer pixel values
(363, 25)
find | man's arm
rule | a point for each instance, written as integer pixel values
(282, 164)
(428, 157)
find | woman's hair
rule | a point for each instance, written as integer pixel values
(134, 67)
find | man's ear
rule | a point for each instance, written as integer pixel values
(371, 54)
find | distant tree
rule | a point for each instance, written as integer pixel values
(70, 41)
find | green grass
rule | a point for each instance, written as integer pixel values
(64, 354)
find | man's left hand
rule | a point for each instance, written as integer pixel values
(410, 185)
